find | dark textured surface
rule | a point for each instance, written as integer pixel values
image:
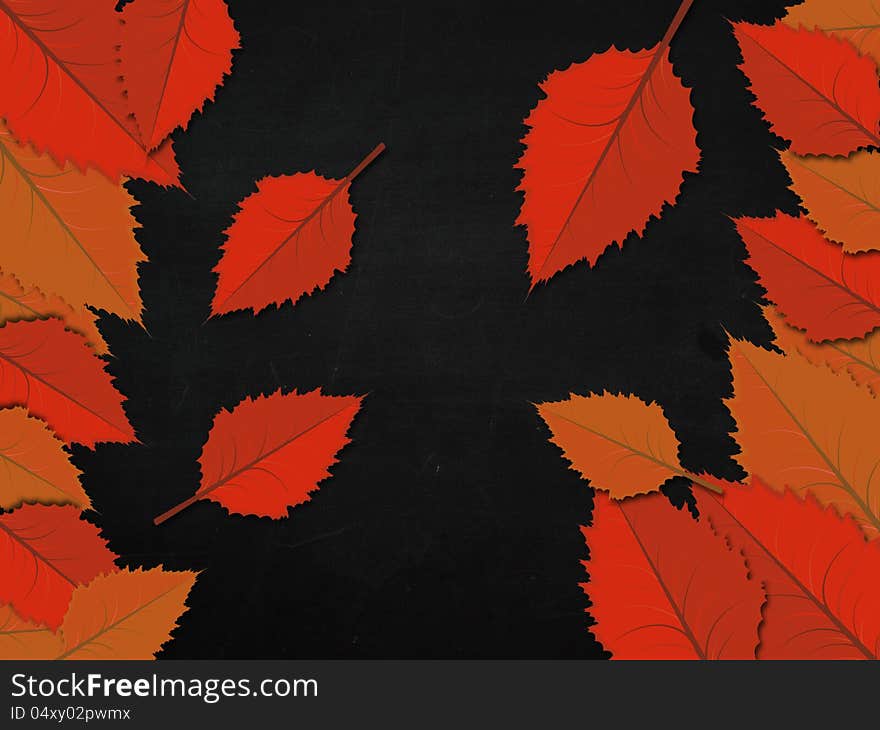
(450, 526)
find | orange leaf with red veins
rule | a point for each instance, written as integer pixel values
(815, 90)
(46, 552)
(664, 586)
(269, 453)
(58, 377)
(815, 285)
(175, 54)
(288, 239)
(60, 88)
(820, 574)
(606, 149)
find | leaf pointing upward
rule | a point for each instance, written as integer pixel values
(606, 148)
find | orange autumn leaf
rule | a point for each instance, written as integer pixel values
(860, 359)
(807, 428)
(841, 196)
(857, 21)
(35, 466)
(815, 90)
(174, 55)
(820, 574)
(67, 232)
(607, 148)
(20, 639)
(664, 586)
(129, 614)
(58, 377)
(18, 303)
(60, 88)
(288, 239)
(268, 453)
(45, 553)
(623, 445)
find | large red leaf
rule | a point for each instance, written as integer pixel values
(606, 149)
(58, 377)
(815, 285)
(45, 552)
(823, 596)
(287, 240)
(267, 454)
(60, 88)
(175, 53)
(815, 90)
(664, 586)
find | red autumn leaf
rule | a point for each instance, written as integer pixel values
(60, 88)
(269, 453)
(58, 377)
(46, 552)
(175, 53)
(816, 286)
(815, 90)
(664, 586)
(820, 574)
(606, 149)
(287, 240)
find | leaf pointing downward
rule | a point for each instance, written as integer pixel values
(288, 239)
(664, 586)
(606, 149)
(267, 454)
(823, 599)
(35, 467)
(45, 552)
(815, 90)
(70, 233)
(621, 444)
(59, 57)
(174, 55)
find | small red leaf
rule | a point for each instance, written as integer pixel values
(664, 586)
(815, 90)
(58, 377)
(45, 552)
(267, 454)
(288, 239)
(816, 285)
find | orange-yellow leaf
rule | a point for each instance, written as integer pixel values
(807, 428)
(841, 195)
(18, 303)
(68, 232)
(858, 21)
(125, 615)
(859, 358)
(621, 444)
(34, 467)
(21, 640)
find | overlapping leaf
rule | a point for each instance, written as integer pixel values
(814, 283)
(841, 196)
(664, 586)
(807, 428)
(620, 443)
(20, 639)
(607, 147)
(857, 21)
(175, 54)
(58, 377)
(35, 467)
(60, 88)
(69, 233)
(823, 597)
(815, 90)
(267, 454)
(46, 552)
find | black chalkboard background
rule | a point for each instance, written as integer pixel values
(450, 526)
